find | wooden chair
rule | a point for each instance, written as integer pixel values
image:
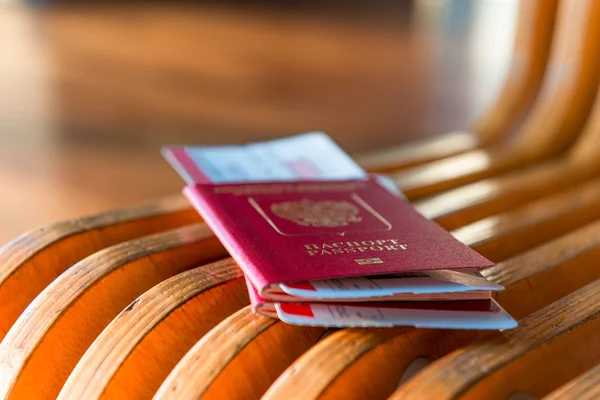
(529, 57)
(522, 224)
(52, 303)
(568, 211)
(522, 221)
(144, 302)
(74, 309)
(550, 210)
(580, 209)
(57, 237)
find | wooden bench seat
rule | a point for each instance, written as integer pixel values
(145, 303)
(177, 331)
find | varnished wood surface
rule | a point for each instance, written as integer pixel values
(90, 294)
(226, 343)
(30, 262)
(552, 345)
(551, 208)
(179, 310)
(535, 31)
(216, 371)
(584, 387)
(513, 232)
(142, 334)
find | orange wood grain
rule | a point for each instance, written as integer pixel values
(135, 353)
(584, 387)
(31, 261)
(524, 221)
(549, 348)
(230, 384)
(206, 364)
(42, 347)
(58, 326)
(221, 364)
(221, 345)
(531, 219)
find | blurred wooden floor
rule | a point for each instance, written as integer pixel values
(87, 95)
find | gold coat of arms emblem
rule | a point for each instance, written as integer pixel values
(328, 214)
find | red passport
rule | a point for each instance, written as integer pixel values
(287, 232)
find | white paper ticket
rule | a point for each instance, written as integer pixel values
(309, 156)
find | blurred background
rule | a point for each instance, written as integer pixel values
(90, 90)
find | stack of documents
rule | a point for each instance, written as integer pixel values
(323, 243)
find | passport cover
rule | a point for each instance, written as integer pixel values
(300, 231)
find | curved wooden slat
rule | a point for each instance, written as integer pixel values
(419, 152)
(553, 345)
(373, 369)
(531, 52)
(474, 201)
(31, 261)
(504, 235)
(467, 204)
(529, 57)
(470, 203)
(584, 387)
(178, 311)
(59, 325)
(222, 344)
(226, 368)
(553, 124)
